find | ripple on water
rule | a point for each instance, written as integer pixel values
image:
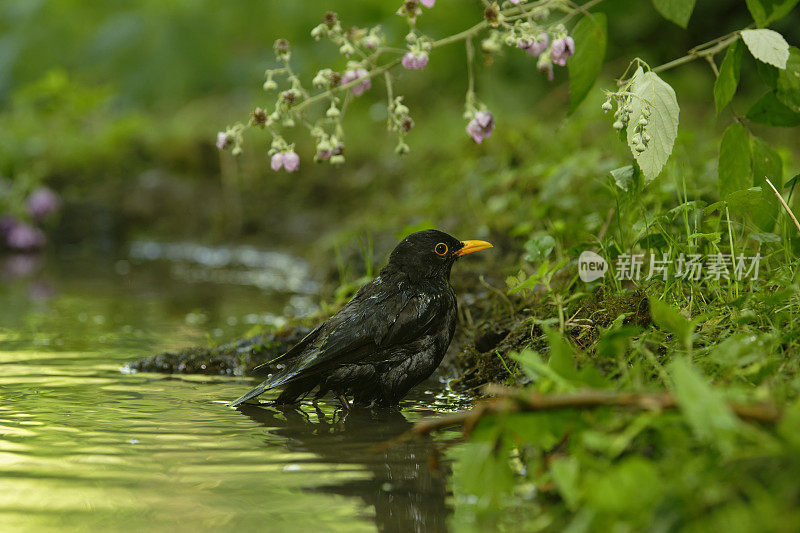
(86, 447)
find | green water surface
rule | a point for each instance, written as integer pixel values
(85, 446)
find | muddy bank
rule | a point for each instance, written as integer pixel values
(491, 328)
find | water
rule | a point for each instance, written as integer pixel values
(84, 446)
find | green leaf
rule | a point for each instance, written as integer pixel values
(768, 74)
(767, 45)
(668, 318)
(766, 163)
(735, 169)
(789, 426)
(771, 111)
(565, 474)
(624, 177)
(745, 201)
(790, 183)
(538, 248)
(788, 82)
(630, 485)
(766, 11)
(728, 79)
(704, 409)
(562, 356)
(677, 11)
(651, 91)
(481, 469)
(590, 37)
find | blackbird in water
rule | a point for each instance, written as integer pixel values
(391, 336)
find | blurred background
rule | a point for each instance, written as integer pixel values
(113, 109)
(125, 232)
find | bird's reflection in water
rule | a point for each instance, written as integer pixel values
(405, 491)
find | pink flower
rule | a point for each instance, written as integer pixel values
(223, 140)
(539, 45)
(562, 50)
(429, 3)
(23, 236)
(357, 74)
(481, 126)
(525, 44)
(291, 161)
(43, 202)
(276, 162)
(515, 2)
(415, 60)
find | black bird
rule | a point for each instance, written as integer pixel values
(388, 338)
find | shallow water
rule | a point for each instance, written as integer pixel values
(84, 446)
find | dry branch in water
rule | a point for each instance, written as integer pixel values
(517, 400)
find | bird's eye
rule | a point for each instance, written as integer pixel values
(440, 248)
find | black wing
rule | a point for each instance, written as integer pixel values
(381, 314)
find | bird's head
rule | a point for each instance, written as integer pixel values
(430, 254)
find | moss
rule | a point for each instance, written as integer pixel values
(236, 358)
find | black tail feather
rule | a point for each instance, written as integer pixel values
(253, 393)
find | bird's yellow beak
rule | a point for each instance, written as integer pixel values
(472, 246)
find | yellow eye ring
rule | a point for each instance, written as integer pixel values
(440, 249)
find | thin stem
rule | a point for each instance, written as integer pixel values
(470, 71)
(700, 51)
(783, 203)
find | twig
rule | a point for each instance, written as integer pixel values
(700, 51)
(783, 203)
(511, 400)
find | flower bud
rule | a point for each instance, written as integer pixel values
(290, 97)
(330, 19)
(401, 148)
(347, 49)
(643, 122)
(270, 85)
(607, 106)
(562, 50)
(223, 140)
(357, 74)
(333, 111)
(318, 32)
(259, 116)
(276, 161)
(291, 161)
(322, 79)
(492, 14)
(415, 60)
(281, 47)
(490, 45)
(372, 42)
(618, 125)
